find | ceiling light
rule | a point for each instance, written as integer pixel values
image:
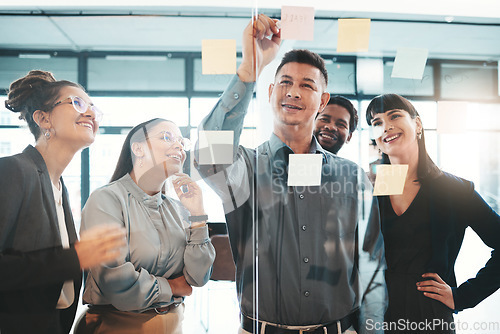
(34, 56)
(137, 58)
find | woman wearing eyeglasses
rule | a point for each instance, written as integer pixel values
(40, 256)
(424, 227)
(168, 245)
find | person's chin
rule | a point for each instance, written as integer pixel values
(327, 145)
(333, 148)
(171, 170)
(87, 141)
(291, 120)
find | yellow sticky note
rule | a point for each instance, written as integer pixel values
(215, 147)
(218, 56)
(451, 117)
(409, 63)
(390, 180)
(297, 23)
(353, 35)
(304, 169)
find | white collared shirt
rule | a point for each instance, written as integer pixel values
(68, 291)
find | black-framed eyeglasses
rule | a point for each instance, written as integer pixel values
(81, 106)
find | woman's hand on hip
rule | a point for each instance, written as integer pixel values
(437, 289)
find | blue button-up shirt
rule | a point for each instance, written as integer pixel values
(304, 255)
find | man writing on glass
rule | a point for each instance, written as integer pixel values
(308, 258)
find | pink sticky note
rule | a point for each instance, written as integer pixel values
(297, 23)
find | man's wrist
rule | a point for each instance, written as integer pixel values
(246, 73)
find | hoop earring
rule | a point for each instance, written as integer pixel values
(47, 134)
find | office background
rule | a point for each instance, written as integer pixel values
(139, 62)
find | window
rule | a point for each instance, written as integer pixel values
(341, 77)
(136, 73)
(104, 153)
(468, 82)
(131, 89)
(210, 83)
(13, 68)
(410, 87)
(199, 108)
(130, 111)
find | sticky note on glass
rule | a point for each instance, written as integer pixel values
(304, 169)
(410, 63)
(390, 180)
(353, 35)
(451, 117)
(218, 56)
(297, 23)
(215, 147)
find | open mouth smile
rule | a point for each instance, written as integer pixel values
(87, 125)
(291, 107)
(331, 137)
(177, 157)
(391, 138)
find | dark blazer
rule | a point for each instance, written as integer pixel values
(453, 206)
(33, 263)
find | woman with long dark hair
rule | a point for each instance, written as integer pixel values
(424, 228)
(168, 245)
(40, 255)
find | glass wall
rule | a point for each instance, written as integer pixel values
(132, 87)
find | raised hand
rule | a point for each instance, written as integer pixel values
(189, 194)
(100, 244)
(437, 289)
(258, 49)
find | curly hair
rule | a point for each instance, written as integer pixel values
(38, 90)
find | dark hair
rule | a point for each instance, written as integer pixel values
(125, 162)
(304, 57)
(426, 168)
(345, 103)
(38, 90)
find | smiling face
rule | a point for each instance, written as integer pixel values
(398, 132)
(331, 127)
(297, 94)
(157, 153)
(66, 125)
